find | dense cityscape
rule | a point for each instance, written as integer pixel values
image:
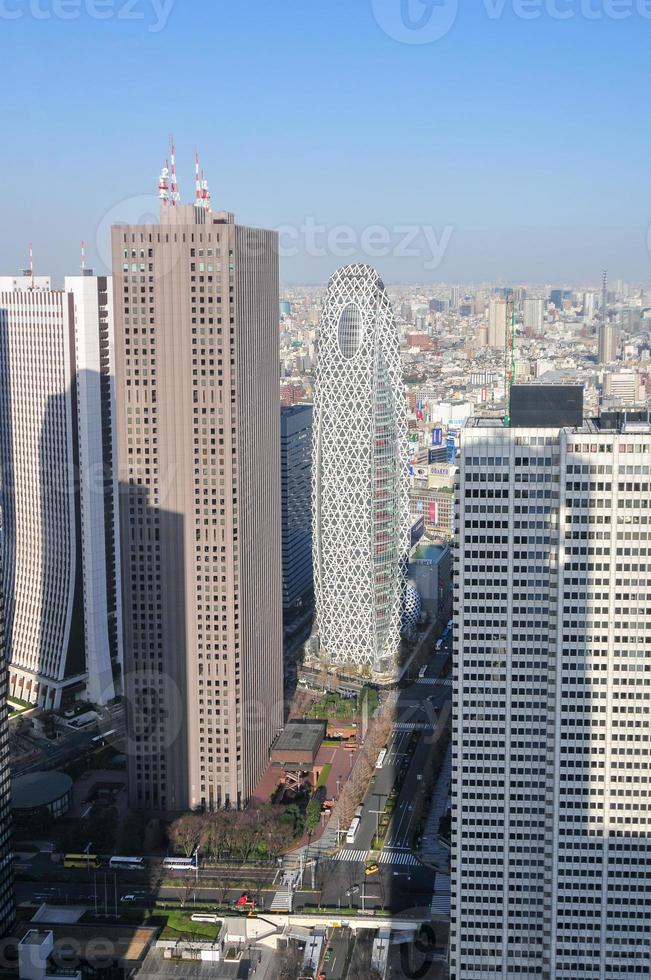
(325, 558)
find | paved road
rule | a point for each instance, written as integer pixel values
(339, 943)
(54, 755)
(110, 888)
(403, 882)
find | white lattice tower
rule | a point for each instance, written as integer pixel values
(360, 484)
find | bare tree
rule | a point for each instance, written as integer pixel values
(217, 833)
(186, 832)
(246, 835)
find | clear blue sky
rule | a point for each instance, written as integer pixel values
(529, 139)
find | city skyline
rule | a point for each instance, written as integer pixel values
(325, 489)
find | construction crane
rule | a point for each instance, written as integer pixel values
(509, 355)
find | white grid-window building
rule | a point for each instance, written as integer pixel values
(551, 865)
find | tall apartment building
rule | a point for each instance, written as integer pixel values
(533, 310)
(296, 496)
(607, 343)
(196, 315)
(552, 690)
(589, 305)
(359, 476)
(62, 618)
(497, 322)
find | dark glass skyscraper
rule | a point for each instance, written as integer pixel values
(296, 489)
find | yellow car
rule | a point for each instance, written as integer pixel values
(372, 869)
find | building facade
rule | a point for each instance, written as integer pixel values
(196, 313)
(296, 497)
(59, 579)
(552, 686)
(7, 906)
(433, 500)
(360, 481)
(607, 343)
(92, 298)
(498, 312)
(533, 316)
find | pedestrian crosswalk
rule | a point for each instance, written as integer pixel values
(404, 858)
(412, 726)
(387, 856)
(440, 905)
(439, 681)
(351, 854)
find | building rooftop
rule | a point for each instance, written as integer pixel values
(301, 736)
(296, 409)
(127, 943)
(36, 937)
(39, 789)
(429, 551)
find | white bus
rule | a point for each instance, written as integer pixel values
(352, 830)
(380, 759)
(179, 864)
(102, 738)
(127, 863)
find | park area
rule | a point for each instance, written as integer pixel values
(293, 803)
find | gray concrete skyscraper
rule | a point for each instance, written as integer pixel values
(196, 312)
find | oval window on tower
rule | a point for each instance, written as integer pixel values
(349, 334)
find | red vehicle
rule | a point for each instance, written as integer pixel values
(245, 903)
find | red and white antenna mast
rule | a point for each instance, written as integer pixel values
(163, 185)
(31, 264)
(83, 257)
(198, 200)
(201, 192)
(175, 196)
(205, 193)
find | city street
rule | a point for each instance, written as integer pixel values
(402, 882)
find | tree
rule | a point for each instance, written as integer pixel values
(132, 840)
(217, 833)
(274, 830)
(185, 833)
(288, 962)
(294, 817)
(246, 835)
(312, 816)
(101, 828)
